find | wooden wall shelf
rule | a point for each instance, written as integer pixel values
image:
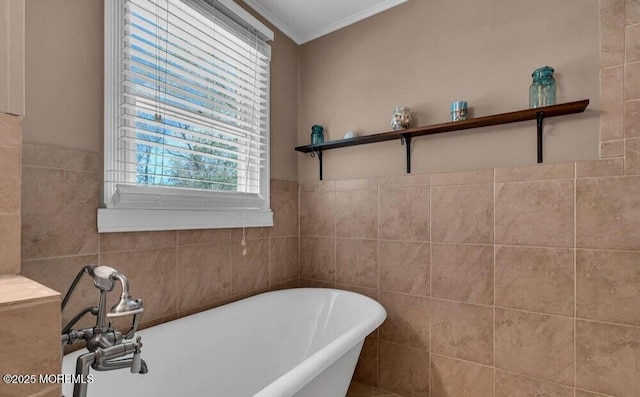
(406, 135)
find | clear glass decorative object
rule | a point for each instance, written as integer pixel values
(459, 110)
(542, 91)
(317, 135)
(401, 118)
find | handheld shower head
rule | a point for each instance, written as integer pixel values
(102, 277)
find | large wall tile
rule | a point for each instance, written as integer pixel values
(203, 236)
(319, 186)
(250, 272)
(58, 213)
(534, 344)
(632, 43)
(367, 368)
(237, 234)
(599, 168)
(404, 214)
(611, 33)
(462, 178)
(152, 277)
(632, 11)
(611, 103)
(317, 214)
(48, 156)
(632, 81)
(513, 385)
(284, 261)
(9, 244)
(403, 370)
(607, 358)
(607, 286)
(279, 185)
(10, 130)
(318, 258)
(535, 213)
(204, 274)
(538, 172)
(308, 283)
(285, 214)
(293, 283)
(462, 214)
(535, 279)
(451, 377)
(357, 184)
(9, 179)
(463, 331)
(407, 320)
(612, 148)
(631, 117)
(404, 267)
(608, 213)
(404, 182)
(114, 242)
(357, 262)
(30, 337)
(462, 272)
(632, 156)
(357, 214)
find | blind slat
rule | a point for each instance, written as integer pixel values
(139, 103)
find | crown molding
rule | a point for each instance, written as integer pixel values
(350, 20)
(274, 20)
(301, 39)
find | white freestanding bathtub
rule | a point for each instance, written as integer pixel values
(299, 342)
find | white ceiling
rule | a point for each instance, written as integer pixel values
(305, 20)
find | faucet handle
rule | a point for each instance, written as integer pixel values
(136, 364)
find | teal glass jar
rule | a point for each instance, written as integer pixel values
(316, 134)
(542, 91)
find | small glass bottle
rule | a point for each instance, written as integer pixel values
(542, 91)
(316, 134)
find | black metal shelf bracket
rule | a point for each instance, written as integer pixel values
(540, 120)
(319, 154)
(406, 141)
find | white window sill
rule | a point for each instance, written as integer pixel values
(137, 220)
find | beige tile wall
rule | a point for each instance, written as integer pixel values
(176, 272)
(519, 279)
(507, 282)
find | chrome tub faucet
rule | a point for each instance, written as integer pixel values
(107, 346)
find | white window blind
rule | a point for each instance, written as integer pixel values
(188, 124)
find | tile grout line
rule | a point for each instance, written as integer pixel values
(429, 189)
(575, 278)
(494, 283)
(378, 291)
(624, 87)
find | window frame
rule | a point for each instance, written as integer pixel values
(151, 208)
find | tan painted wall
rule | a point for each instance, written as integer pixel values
(64, 89)
(426, 54)
(12, 56)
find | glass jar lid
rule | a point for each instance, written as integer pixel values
(542, 73)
